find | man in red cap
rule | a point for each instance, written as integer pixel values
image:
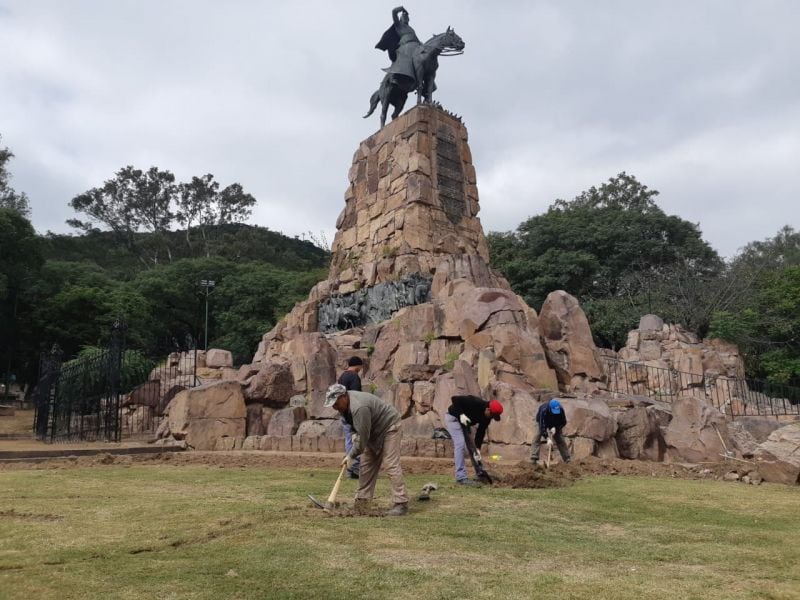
(467, 411)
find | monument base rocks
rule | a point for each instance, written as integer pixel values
(410, 291)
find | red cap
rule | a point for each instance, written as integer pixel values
(495, 408)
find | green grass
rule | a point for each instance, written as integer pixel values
(196, 532)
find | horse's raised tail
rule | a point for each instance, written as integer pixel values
(373, 103)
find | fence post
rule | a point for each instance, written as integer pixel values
(49, 369)
(113, 418)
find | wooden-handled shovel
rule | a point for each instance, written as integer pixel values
(335, 490)
(331, 502)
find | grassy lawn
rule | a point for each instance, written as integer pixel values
(198, 532)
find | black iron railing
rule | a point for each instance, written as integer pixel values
(733, 396)
(108, 393)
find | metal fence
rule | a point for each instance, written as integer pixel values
(143, 406)
(110, 393)
(735, 397)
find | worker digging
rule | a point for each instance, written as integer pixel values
(378, 439)
(465, 411)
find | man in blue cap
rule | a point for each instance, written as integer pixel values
(551, 420)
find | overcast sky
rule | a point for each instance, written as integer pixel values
(699, 100)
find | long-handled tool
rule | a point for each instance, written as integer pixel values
(549, 451)
(331, 502)
(475, 457)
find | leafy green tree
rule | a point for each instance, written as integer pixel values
(764, 321)
(20, 261)
(75, 304)
(615, 250)
(201, 206)
(9, 198)
(132, 201)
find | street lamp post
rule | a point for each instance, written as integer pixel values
(209, 286)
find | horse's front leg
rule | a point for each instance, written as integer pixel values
(384, 108)
(429, 87)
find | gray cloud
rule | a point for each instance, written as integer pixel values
(698, 100)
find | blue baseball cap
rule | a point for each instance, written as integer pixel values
(555, 407)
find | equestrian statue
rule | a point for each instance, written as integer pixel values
(414, 64)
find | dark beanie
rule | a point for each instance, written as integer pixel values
(354, 361)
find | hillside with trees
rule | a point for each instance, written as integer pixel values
(144, 244)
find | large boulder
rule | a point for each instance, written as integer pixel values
(696, 432)
(271, 385)
(639, 434)
(467, 309)
(258, 418)
(216, 358)
(201, 415)
(779, 456)
(517, 424)
(314, 428)
(286, 421)
(588, 418)
(313, 365)
(568, 343)
(421, 426)
(144, 394)
(758, 427)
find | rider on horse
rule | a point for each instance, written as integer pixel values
(401, 42)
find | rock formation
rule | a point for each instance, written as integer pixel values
(411, 292)
(778, 457)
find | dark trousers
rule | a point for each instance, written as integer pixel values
(560, 442)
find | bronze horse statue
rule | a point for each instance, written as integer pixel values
(424, 60)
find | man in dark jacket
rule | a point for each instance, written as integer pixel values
(352, 382)
(467, 411)
(551, 420)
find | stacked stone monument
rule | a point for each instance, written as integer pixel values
(410, 291)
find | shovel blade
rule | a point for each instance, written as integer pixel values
(317, 503)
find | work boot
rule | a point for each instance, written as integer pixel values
(468, 483)
(398, 510)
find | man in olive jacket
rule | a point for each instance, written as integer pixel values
(377, 426)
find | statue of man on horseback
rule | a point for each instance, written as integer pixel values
(414, 64)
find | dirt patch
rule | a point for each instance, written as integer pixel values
(346, 510)
(225, 460)
(21, 424)
(525, 475)
(511, 475)
(13, 514)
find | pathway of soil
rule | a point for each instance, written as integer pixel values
(510, 475)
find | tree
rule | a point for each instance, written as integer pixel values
(9, 198)
(615, 250)
(201, 205)
(20, 261)
(764, 320)
(133, 200)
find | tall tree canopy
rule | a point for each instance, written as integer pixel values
(20, 261)
(136, 201)
(615, 250)
(10, 198)
(765, 320)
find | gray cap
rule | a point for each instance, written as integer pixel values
(336, 390)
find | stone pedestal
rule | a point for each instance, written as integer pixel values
(412, 200)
